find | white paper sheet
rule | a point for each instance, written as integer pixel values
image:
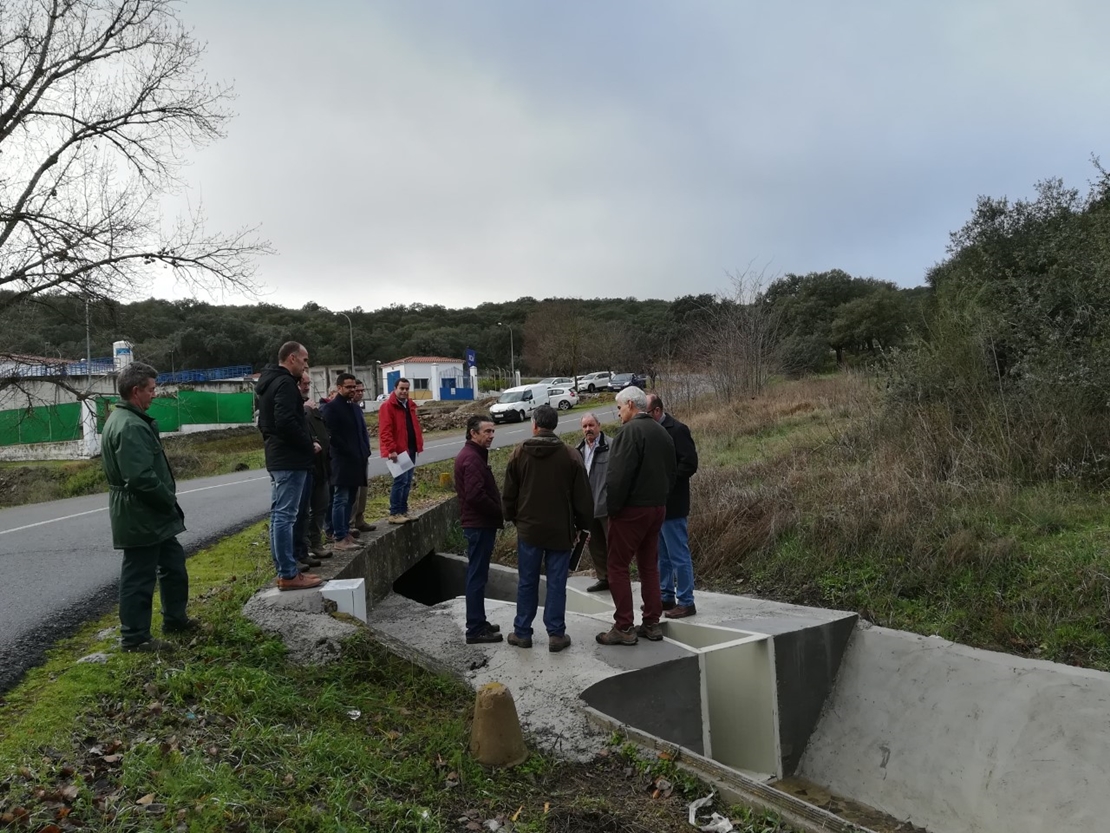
(403, 464)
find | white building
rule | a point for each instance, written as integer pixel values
(430, 377)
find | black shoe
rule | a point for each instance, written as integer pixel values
(493, 628)
(188, 626)
(365, 527)
(484, 636)
(667, 604)
(353, 533)
(151, 646)
(598, 586)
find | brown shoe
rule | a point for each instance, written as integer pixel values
(519, 641)
(346, 545)
(555, 644)
(150, 646)
(615, 636)
(680, 612)
(304, 581)
(651, 632)
(362, 526)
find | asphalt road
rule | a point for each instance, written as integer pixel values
(58, 568)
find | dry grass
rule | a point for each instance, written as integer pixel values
(818, 493)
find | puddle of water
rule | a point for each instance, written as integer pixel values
(845, 808)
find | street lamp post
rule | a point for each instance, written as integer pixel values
(352, 328)
(512, 360)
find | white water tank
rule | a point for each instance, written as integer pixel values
(121, 350)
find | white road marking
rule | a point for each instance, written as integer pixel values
(105, 508)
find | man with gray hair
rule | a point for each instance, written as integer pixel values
(146, 518)
(641, 472)
(594, 449)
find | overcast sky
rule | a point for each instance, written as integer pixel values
(461, 151)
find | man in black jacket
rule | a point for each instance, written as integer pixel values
(290, 452)
(350, 452)
(676, 567)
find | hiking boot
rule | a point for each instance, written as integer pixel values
(304, 581)
(353, 533)
(615, 636)
(151, 646)
(519, 641)
(308, 561)
(668, 604)
(680, 612)
(493, 628)
(651, 632)
(558, 643)
(346, 545)
(362, 526)
(483, 636)
(598, 586)
(398, 519)
(188, 626)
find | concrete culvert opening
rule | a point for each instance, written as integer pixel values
(432, 580)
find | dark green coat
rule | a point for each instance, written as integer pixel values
(142, 499)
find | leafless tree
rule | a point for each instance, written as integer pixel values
(99, 102)
(737, 348)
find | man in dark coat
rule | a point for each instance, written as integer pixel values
(350, 452)
(317, 500)
(676, 566)
(480, 517)
(146, 518)
(641, 471)
(290, 456)
(547, 495)
(594, 449)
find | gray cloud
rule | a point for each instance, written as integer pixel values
(448, 152)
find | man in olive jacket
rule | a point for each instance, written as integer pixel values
(641, 473)
(146, 518)
(547, 495)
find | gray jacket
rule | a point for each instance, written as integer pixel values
(598, 470)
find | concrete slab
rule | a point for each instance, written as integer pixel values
(953, 738)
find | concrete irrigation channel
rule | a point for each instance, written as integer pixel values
(835, 724)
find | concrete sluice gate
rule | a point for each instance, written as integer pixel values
(836, 724)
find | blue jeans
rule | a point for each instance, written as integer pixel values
(479, 547)
(529, 559)
(676, 567)
(286, 489)
(399, 494)
(343, 498)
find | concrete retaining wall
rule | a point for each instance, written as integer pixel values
(953, 738)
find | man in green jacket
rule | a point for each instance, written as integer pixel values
(146, 518)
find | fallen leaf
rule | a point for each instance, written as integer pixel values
(393, 734)
(288, 780)
(665, 756)
(546, 807)
(213, 751)
(26, 773)
(604, 753)
(146, 799)
(69, 792)
(516, 815)
(112, 759)
(61, 813)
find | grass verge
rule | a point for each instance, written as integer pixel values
(224, 735)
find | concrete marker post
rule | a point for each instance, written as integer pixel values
(495, 738)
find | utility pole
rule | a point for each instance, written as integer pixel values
(352, 329)
(512, 360)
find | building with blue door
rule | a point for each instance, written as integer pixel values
(431, 377)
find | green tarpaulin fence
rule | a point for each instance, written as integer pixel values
(58, 423)
(49, 424)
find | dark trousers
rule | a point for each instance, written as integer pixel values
(358, 513)
(319, 511)
(634, 534)
(143, 567)
(479, 548)
(301, 525)
(599, 547)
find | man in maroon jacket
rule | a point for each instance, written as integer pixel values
(480, 511)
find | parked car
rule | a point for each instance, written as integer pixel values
(619, 381)
(594, 381)
(562, 398)
(517, 404)
(557, 381)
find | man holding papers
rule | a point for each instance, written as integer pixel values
(400, 439)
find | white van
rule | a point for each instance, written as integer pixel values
(517, 404)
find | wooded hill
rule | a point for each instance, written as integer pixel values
(549, 336)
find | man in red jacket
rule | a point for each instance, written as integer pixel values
(399, 433)
(480, 514)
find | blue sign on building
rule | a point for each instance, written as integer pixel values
(471, 358)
